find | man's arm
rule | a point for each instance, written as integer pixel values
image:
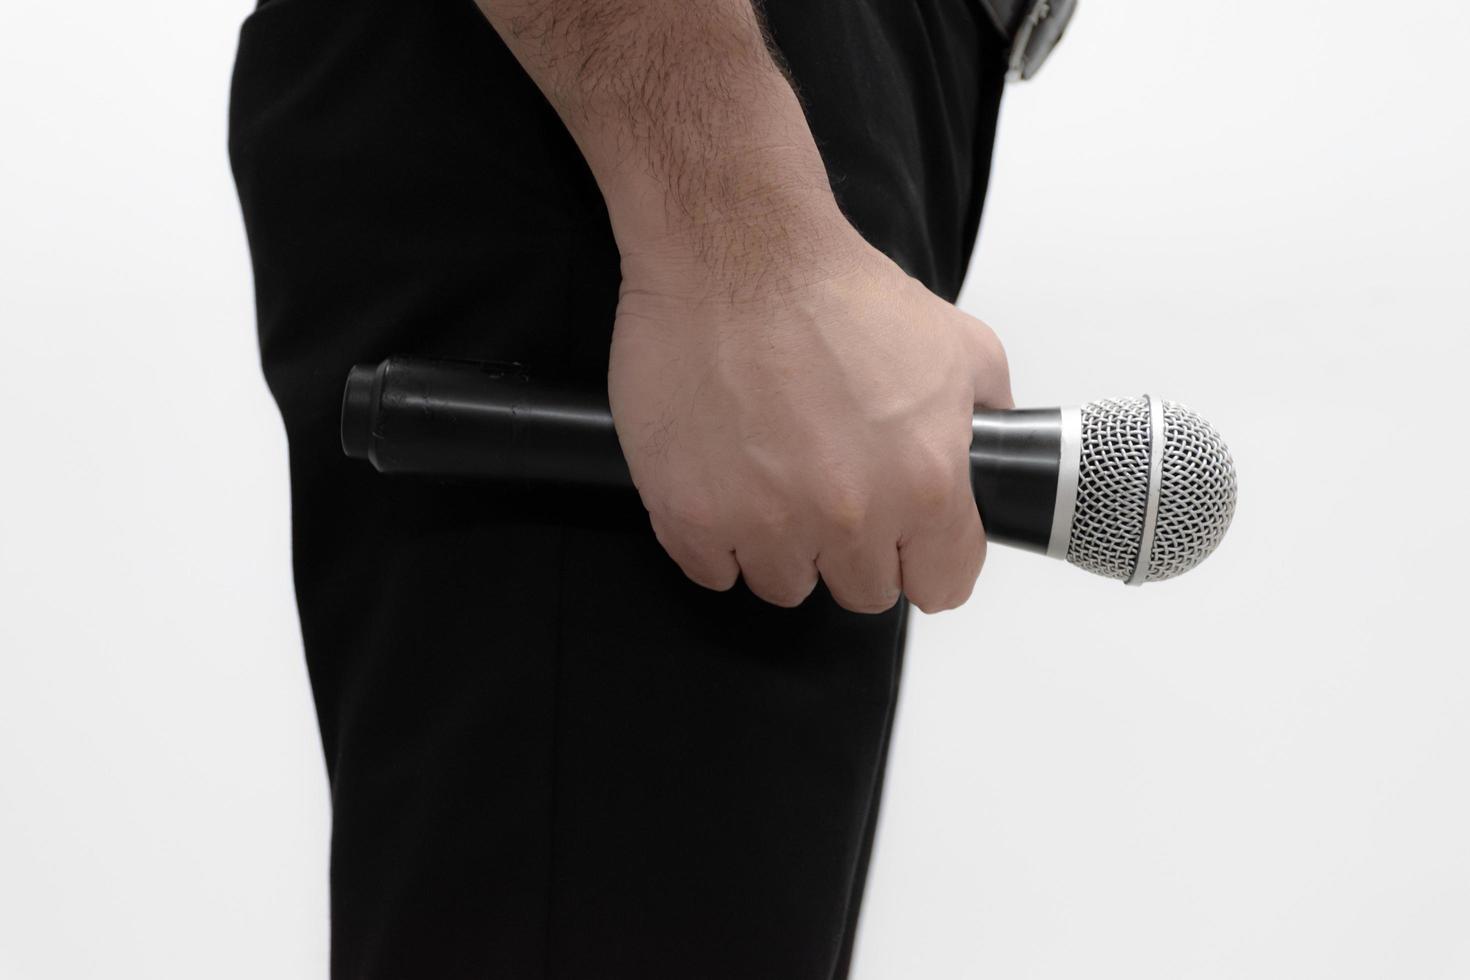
(791, 404)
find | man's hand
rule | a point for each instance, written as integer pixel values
(820, 428)
(791, 404)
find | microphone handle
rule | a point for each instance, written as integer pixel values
(487, 421)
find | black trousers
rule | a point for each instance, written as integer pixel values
(550, 755)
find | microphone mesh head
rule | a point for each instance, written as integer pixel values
(1196, 491)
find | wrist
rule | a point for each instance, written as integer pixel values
(765, 227)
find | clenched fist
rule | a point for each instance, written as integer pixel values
(817, 425)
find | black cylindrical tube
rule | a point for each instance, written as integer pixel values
(462, 419)
(479, 421)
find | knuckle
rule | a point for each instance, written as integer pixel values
(845, 510)
(772, 517)
(932, 483)
(931, 497)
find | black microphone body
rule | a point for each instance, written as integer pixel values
(481, 421)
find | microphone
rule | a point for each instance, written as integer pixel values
(1134, 489)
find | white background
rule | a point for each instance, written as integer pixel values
(1261, 770)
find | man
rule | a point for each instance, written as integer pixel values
(554, 752)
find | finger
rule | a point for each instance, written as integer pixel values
(702, 561)
(863, 577)
(777, 574)
(940, 563)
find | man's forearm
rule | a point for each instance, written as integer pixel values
(691, 129)
(791, 404)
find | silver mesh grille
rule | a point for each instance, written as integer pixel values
(1196, 490)
(1112, 487)
(1196, 494)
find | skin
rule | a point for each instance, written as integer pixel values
(791, 404)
